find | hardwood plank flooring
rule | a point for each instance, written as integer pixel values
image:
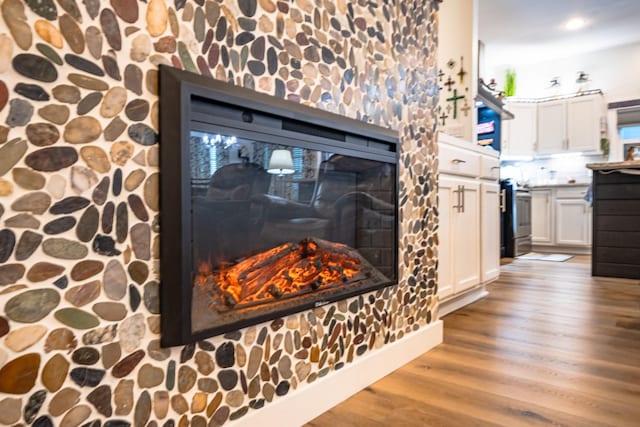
(550, 345)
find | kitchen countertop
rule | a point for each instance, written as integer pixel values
(632, 164)
(541, 186)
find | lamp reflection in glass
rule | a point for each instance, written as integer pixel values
(281, 163)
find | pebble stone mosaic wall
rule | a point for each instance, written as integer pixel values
(79, 277)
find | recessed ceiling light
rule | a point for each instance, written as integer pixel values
(575, 24)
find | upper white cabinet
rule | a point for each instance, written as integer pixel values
(552, 127)
(583, 123)
(519, 135)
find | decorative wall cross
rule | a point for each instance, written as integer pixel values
(455, 99)
(466, 108)
(462, 72)
(443, 117)
(449, 83)
(440, 75)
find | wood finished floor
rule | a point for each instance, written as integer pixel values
(550, 345)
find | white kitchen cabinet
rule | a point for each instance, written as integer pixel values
(468, 207)
(552, 127)
(459, 236)
(541, 217)
(490, 230)
(519, 135)
(561, 219)
(583, 123)
(573, 222)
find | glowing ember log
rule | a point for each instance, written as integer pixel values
(282, 272)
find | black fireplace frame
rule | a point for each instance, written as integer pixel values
(179, 92)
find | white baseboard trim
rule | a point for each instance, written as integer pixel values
(460, 301)
(312, 400)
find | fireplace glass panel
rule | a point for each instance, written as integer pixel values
(278, 226)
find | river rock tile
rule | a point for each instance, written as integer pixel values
(42, 134)
(111, 67)
(86, 269)
(138, 271)
(20, 339)
(67, 94)
(152, 297)
(28, 179)
(15, 19)
(35, 67)
(60, 339)
(93, 37)
(83, 64)
(51, 159)
(96, 158)
(122, 222)
(87, 82)
(157, 352)
(18, 376)
(71, 33)
(7, 243)
(123, 397)
(127, 365)
(108, 213)
(105, 245)
(100, 398)
(110, 354)
(204, 362)
(64, 249)
(140, 48)
(4, 95)
(10, 410)
(101, 191)
(82, 130)
(64, 400)
(116, 188)
(85, 356)
(141, 241)
(69, 205)
(88, 377)
(186, 378)
(133, 79)
(113, 102)
(4, 327)
(59, 225)
(31, 91)
(76, 318)
(10, 153)
(57, 186)
(150, 376)
(56, 114)
(33, 405)
(131, 332)
(110, 311)
(228, 379)
(156, 17)
(82, 179)
(88, 224)
(88, 103)
(137, 110)
(83, 294)
(43, 421)
(55, 372)
(36, 202)
(42, 271)
(20, 112)
(134, 297)
(76, 416)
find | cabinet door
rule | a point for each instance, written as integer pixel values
(572, 222)
(541, 218)
(447, 199)
(523, 129)
(552, 127)
(583, 123)
(466, 237)
(490, 231)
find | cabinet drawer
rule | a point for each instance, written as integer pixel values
(489, 167)
(571, 192)
(457, 161)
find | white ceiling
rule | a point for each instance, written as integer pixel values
(529, 31)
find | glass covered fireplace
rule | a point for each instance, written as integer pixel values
(267, 207)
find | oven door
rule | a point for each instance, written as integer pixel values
(523, 214)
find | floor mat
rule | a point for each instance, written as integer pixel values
(546, 257)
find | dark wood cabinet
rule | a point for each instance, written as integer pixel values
(616, 223)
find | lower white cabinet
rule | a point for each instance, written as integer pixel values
(490, 231)
(541, 216)
(573, 219)
(469, 224)
(561, 219)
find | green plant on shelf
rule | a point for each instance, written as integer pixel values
(510, 82)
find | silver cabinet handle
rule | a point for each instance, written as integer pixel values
(495, 167)
(503, 200)
(458, 161)
(462, 196)
(458, 192)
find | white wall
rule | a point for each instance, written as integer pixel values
(616, 71)
(458, 37)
